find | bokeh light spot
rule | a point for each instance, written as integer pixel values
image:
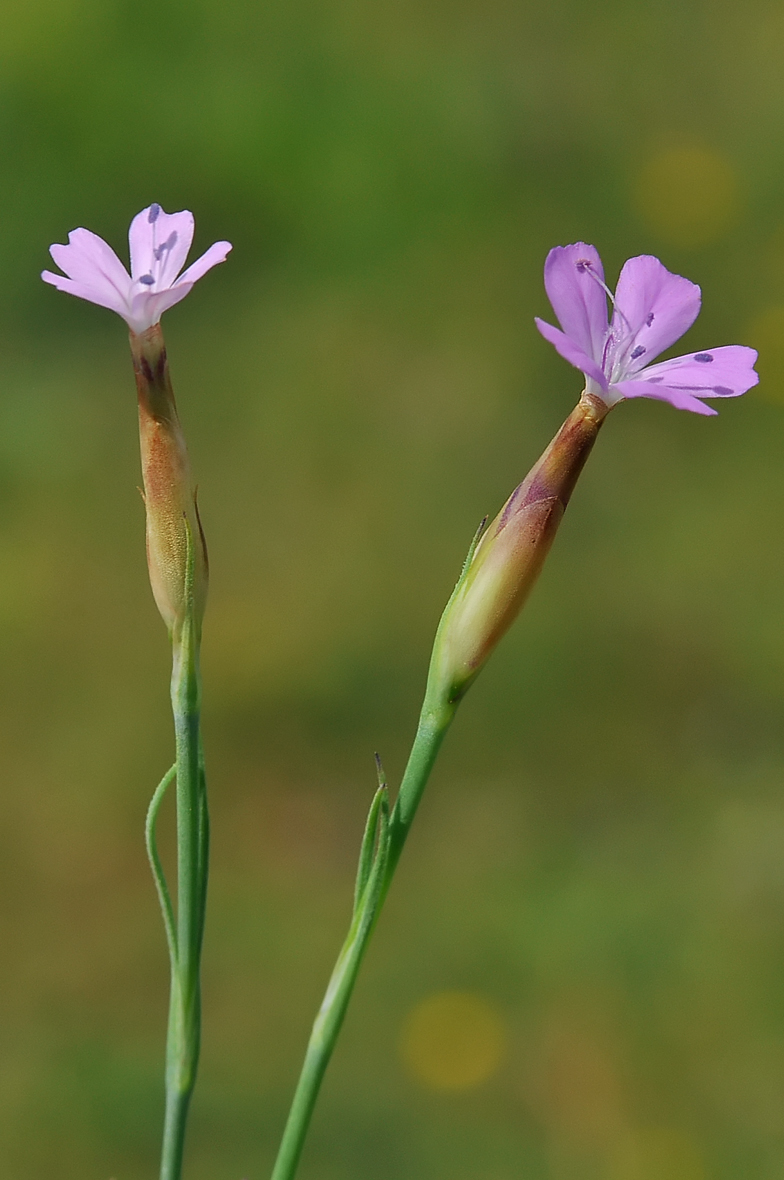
(687, 195)
(766, 334)
(452, 1041)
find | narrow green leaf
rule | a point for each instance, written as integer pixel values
(367, 852)
(159, 876)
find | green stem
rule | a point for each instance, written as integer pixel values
(433, 725)
(182, 1045)
(434, 722)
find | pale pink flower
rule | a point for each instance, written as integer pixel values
(159, 245)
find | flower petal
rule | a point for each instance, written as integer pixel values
(106, 297)
(653, 308)
(579, 302)
(717, 372)
(216, 253)
(140, 240)
(89, 260)
(572, 352)
(159, 244)
(147, 306)
(176, 234)
(680, 398)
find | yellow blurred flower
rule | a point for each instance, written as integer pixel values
(687, 195)
(453, 1041)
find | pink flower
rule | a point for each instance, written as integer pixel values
(159, 245)
(652, 308)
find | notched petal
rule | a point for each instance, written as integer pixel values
(653, 307)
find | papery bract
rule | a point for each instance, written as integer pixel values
(159, 245)
(652, 308)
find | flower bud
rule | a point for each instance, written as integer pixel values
(174, 534)
(505, 562)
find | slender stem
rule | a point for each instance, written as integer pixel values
(433, 725)
(502, 565)
(182, 1047)
(178, 566)
(322, 1040)
(204, 847)
(434, 722)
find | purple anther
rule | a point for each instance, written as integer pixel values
(166, 246)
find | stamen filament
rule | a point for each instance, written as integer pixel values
(585, 265)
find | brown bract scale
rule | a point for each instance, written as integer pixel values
(172, 516)
(510, 554)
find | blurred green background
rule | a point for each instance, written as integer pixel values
(580, 971)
